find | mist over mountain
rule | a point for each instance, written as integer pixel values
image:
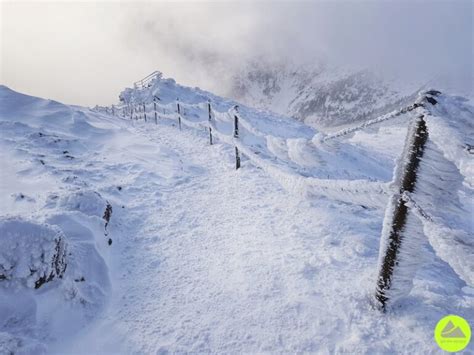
(208, 44)
(323, 63)
(317, 94)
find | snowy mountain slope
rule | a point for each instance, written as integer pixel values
(204, 258)
(320, 95)
(323, 157)
(285, 141)
(49, 151)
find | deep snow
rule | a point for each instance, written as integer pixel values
(205, 258)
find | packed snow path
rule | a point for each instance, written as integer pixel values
(227, 261)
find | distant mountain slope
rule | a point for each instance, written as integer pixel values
(318, 95)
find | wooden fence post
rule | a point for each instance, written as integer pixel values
(154, 107)
(144, 111)
(210, 117)
(179, 114)
(236, 136)
(406, 177)
(113, 110)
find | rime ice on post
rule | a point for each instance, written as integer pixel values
(402, 230)
(443, 200)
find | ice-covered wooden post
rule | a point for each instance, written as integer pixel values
(144, 111)
(179, 113)
(113, 110)
(236, 136)
(395, 239)
(154, 107)
(209, 110)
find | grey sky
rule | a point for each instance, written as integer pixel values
(86, 52)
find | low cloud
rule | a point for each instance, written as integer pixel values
(205, 43)
(86, 52)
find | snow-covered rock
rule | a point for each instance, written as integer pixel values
(31, 254)
(89, 202)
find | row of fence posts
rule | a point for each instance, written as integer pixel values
(142, 109)
(139, 111)
(406, 177)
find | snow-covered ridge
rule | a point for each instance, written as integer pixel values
(283, 147)
(299, 165)
(191, 237)
(286, 147)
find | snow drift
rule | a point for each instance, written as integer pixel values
(53, 274)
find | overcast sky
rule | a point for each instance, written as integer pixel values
(87, 52)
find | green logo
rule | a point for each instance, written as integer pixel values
(452, 333)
